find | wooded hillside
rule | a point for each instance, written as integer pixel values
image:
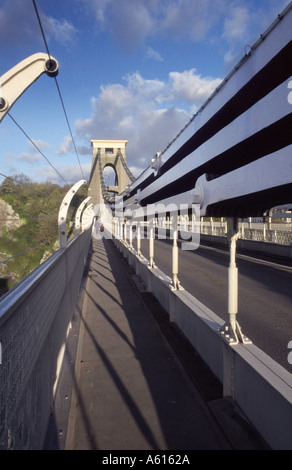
(29, 225)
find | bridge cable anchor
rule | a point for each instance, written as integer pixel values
(231, 331)
(18, 79)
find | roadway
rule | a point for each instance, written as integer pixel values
(265, 292)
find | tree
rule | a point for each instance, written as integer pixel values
(7, 186)
(48, 215)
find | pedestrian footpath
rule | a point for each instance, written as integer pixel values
(131, 391)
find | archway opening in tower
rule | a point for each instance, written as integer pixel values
(110, 178)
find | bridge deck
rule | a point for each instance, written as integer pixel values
(131, 391)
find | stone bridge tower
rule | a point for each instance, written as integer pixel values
(108, 153)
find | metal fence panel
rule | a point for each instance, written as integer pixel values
(34, 319)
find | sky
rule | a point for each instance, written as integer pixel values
(134, 70)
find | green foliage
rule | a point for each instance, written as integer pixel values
(39, 205)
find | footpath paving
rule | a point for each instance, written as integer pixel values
(138, 384)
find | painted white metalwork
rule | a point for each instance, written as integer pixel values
(34, 319)
(266, 173)
(231, 331)
(63, 211)
(233, 158)
(79, 215)
(151, 228)
(270, 108)
(175, 284)
(139, 240)
(14, 82)
(156, 163)
(87, 217)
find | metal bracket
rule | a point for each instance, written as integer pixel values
(233, 335)
(156, 163)
(151, 265)
(138, 197)
(14, 82)
(175, 285)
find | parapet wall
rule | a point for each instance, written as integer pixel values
(35, 318)
(259, 386)
(252, 246)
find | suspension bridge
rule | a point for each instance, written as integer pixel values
(121, 340)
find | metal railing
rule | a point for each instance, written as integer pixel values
(270, 233)
(35, 317)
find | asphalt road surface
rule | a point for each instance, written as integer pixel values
(264, 297)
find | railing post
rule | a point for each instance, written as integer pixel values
(231, 331)
(151, 244)
(138, 239)
(124, 234)
(121, 230)
(175, 284)
(131, 236)
(233, 281)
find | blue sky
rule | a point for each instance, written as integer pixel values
(129, 69)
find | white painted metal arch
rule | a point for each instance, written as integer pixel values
(14, 82)
(79, 215)
(63, 211)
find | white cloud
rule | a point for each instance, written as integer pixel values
(24, 157)
(99, 7)
(191, 18)
(191, 87)
(147, 113)
(229, 23)
(129, 21)
(19, 25)
(132, 22)
(67, 147)
(236, 25)
(70, 172)
(32, 155)
(152, 54)
(41, 144)
(61, 31)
